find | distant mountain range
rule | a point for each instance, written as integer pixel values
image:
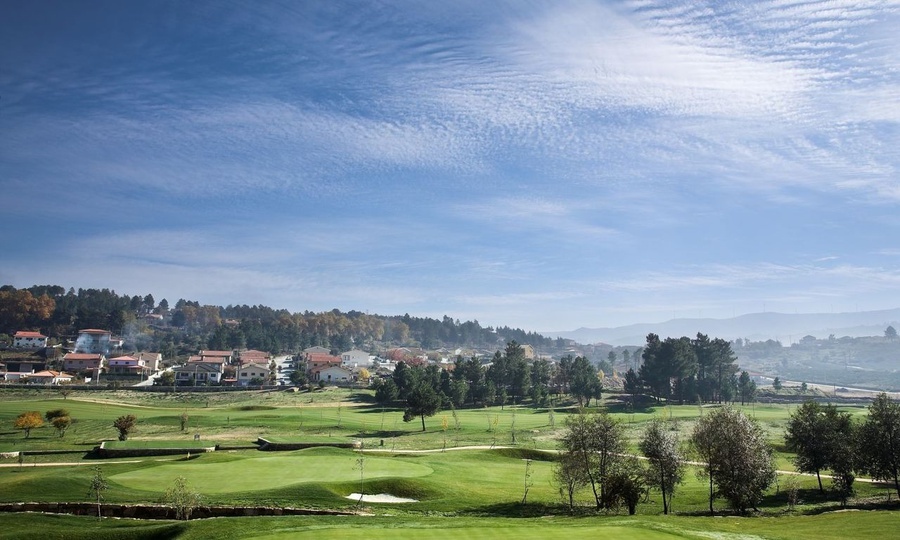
(783, 327)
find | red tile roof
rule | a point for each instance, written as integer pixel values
(81, 356)
(216, 353)
(29, 334)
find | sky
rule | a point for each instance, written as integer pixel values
(533, 164)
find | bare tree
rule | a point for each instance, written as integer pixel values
(97, 488)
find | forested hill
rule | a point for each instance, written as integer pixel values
(188, 326)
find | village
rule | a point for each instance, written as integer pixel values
(98, 358)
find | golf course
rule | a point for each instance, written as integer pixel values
(473, 473)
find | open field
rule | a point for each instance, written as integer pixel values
(480, 487)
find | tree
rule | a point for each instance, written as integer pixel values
(61, 424)
(660, 446)
(298, 377)
(125, 425)
(879, 441)
(583, 383)
(746, 387)
(422, 401)
(595, 442)
(632, 384)
(891, 333)
(27, 421)
(182, 499)
(570, 475)
(625, 485)
(166, 378)
(183, 420)
(59, 419)
(386, 392)
(776, 384)
(817, 434)
(738, 460)
(98, 486)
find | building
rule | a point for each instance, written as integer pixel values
(199, 373)
(151, 359)
(355, 358)
(225, 356)
(29, 340)
(48, 377)
(128, 365)
(333, 374)
(93, 341)
(87, 365)
(255, 357)
(251, 371)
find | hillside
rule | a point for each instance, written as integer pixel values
(783, 327)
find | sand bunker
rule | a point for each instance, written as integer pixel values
(380, 498)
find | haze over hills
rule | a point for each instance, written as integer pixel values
(784, 327)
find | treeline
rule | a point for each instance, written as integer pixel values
(689, 371)
(188, 326)
(509, 378)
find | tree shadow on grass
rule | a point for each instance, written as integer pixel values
(516, 509)
(624, 407)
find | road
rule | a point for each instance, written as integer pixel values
(284, 366)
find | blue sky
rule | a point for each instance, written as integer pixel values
(544, 165)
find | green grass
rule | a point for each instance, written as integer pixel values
(470, 485)
(268, 471)
(833, 526)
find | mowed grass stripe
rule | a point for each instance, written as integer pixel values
(477, 533)
(269, 471)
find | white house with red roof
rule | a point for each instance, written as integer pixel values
(48, 377)
(128, 365)
(29, 340)
(251, 371)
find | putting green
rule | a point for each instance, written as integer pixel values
(268, 472)
(486, 533)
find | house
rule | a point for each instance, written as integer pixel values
(151, 359)
(128, 365)
(199, 373)
(93, 341)
(333, 374)
(317, 350)
(48, 377)
(255, 357)
(85, 364)
(29, 340)
(226, 356)
(248, 372)
(355, 358)
(318, 361)
(528, 350)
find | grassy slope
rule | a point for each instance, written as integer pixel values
(465, 484)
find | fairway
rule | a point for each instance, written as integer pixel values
(269, 471)
(487, 532)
